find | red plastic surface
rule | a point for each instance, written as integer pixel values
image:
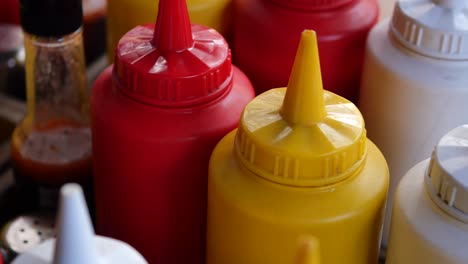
(175, 65)
(266, 36)
(153, 132)
(151, 166)
(162, 73)
(312, 4)
(9, 11)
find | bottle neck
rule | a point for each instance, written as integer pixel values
(56, 80)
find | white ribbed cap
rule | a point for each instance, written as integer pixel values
(434, 28)
(76, 242)
(447, 175)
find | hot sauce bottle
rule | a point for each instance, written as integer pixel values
(52, 145)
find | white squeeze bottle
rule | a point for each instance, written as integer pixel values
(385, 8)
(76, 242)
(430, 213)
(415, 82)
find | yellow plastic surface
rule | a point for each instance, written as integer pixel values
(303, 104)
(330, 181)
(309, 251)
(252, 220)
(312, 138)
(123, 15)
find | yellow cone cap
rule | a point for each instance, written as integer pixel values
(302, 135)
(309, 251)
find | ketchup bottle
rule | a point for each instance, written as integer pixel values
(157, 114)
(266, 33)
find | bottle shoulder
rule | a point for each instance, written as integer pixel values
(115, 109)
(384, 51)
(358, 194)
(415, 209)
(325, 22)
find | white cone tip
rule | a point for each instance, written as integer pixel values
(76, 242)
(75, 234)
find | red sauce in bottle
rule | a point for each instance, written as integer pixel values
(45, 157)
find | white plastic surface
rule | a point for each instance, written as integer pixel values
(436, 28)
(422, 232)
(76, 242)
(110, 251)
(447, 178)
(409, 102)
(386, 8)
(75, 238)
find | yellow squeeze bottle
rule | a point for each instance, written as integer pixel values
(123, 15)
(299, 164)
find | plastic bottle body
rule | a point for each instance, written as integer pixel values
(421, 232)
(152, 164)
(123, 15)
(409, 102)
(265, 51)
(253, 220)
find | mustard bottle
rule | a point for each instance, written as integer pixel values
(123, 15)
(299, 164)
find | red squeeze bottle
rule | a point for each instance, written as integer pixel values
(266, 33)
(157, 114)
(9, 12)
